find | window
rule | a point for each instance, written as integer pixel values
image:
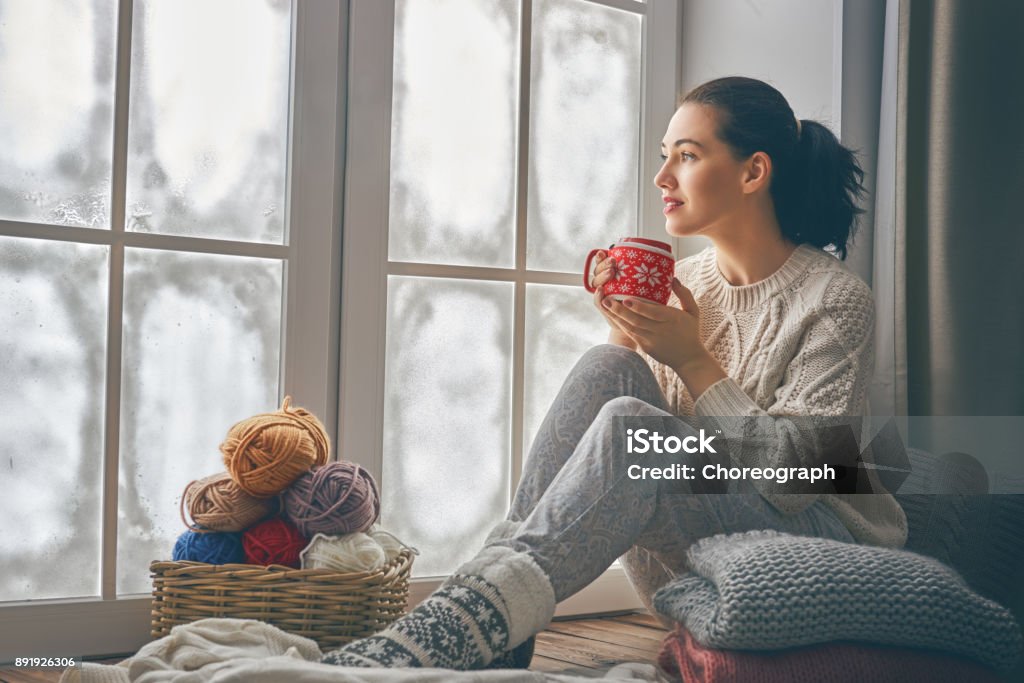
(490, 146)
(128, 205)
(168, 233)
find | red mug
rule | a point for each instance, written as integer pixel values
(645, 270)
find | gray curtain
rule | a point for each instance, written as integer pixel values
(957, 244)
(949, 253)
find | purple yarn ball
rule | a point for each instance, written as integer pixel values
(337, 498)
(211, 548)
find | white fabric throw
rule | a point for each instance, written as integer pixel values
(250, 651)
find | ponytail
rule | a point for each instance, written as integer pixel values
(816, 182)
(816, 194)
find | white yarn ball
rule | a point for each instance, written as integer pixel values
(391, 545)
(349, 553)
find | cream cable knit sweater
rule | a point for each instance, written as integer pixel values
(798, 343)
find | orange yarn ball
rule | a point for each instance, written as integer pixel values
(266, 453)
(216, 503)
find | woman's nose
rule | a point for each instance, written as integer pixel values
(663, 179)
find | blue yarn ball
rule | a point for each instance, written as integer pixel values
(213, 548)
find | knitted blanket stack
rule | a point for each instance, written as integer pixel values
(762, 590)
(683, 657)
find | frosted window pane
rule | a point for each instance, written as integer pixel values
(447, 415)
(53, 314)
(561, 324)
(453, 132)
(584, 131)
(207, 138)
(201, 347)
(56, 110)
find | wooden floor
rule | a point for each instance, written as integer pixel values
(589, 647)
(583, 647)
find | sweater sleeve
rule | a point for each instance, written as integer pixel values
(827, 378)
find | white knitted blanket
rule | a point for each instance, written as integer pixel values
(764, 590)
(249, 651)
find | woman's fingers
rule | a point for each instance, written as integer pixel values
(685, 297)
(632, 320)
(603, 277)
(604, 269)
(612, 319)
(608, 315)
(605, 266)
(599, 298)
(649, 310)
(603, 273)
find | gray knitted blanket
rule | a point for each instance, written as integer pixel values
(764, 590)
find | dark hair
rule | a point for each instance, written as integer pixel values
(815, 182)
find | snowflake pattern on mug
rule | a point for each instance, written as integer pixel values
(648, 275)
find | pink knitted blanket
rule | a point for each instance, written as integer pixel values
(683, 657)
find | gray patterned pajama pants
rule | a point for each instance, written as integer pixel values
(575, 511)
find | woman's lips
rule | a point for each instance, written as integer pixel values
(670, 207)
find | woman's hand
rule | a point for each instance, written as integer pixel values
(668, 334)
(605, 270)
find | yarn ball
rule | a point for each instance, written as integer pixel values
(387, 541)
(275, 541)
(267, 452)
(356, 552)
(336, 499)
(217, 503)
(211, 547)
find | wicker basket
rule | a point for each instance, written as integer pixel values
(329, 607)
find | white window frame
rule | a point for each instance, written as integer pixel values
(365, 248)
(109, 625)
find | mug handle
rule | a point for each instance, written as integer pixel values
(586, 271)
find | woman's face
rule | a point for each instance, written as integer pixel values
(700, 180)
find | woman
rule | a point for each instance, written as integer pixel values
(763, 326)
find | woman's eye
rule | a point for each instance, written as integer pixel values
(686, 156)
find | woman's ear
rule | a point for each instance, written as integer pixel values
(758, 172)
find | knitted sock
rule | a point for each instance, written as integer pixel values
(518, 657)
(489, 606)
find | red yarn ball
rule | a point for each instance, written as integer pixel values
(275, 541)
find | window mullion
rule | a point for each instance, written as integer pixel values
(115, 302)
(660, 85)
(624, 5)
(522, 187)
(542, 277)
(309, 367)
(122, 83)
(365, 241)
(142, 240)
